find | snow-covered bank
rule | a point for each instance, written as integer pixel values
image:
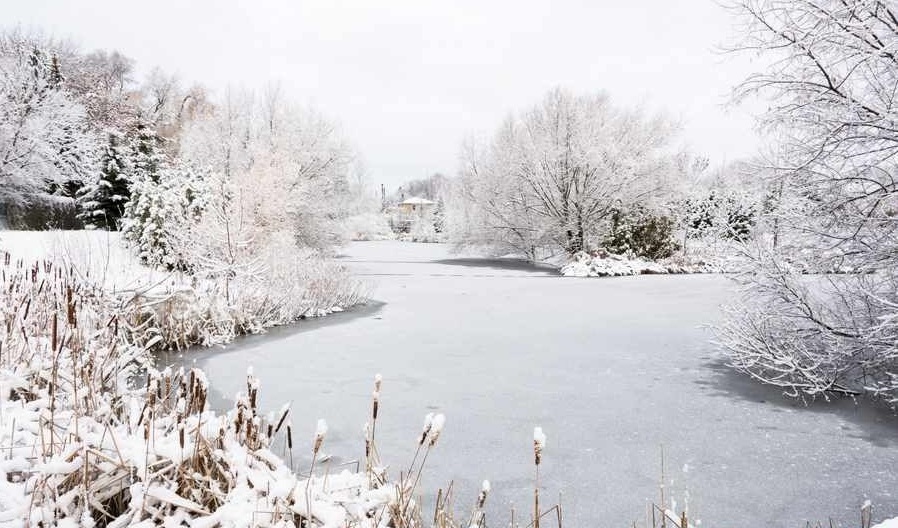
(184, 309)
(605, 264)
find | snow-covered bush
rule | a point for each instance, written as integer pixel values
(719, 214)
(601, 263)
(368, 226)
(423, 228)
(249, 268)
(637, 232)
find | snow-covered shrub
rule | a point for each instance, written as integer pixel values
(424, 229)
(249, 269)
(640, 233)
(42, 212)
(719, 214)
(601, 263)
(368, 226)
(604, 264)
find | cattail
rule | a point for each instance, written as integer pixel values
(436, 427)
(376, 398)
(366, 430)
(285, 410)
(181, 405)
(54, 335)
(320, 431)
(484, 491)
(539, 443)
(289, 435)
(428, 424)
(252, 387)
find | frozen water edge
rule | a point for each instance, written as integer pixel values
(611, 369)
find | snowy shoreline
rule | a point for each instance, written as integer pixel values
(186, 311)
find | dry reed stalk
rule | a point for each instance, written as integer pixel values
(539, 443)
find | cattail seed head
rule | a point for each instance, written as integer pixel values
(484, 491)
(436, 427)
(428, 423)
(539, 443)
(320, 431)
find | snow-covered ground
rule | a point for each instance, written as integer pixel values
(612, 370)
(99, 254)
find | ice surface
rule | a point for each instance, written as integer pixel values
(612, 368)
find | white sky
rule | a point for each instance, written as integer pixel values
(410, 79)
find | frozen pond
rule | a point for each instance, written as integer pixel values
(612, 369)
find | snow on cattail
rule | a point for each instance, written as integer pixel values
(436, 427)
(539, 443)
(484, 491)
(366, 430)
(378, 379)
(428, 424)
(320, 431)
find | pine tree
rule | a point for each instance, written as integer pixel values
(160, 209)
(103, 200)
(148, 158)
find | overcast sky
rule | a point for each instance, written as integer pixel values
(409, 79)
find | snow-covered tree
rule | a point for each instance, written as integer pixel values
(834, 199)
(102, 200)
(277, 194)
(163, 204)
(552, 176)
(46, 145)
(102, 82)
(719, 213)
(303, 157)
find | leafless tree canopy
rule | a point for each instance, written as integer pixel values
(552, 175)
(832, 86)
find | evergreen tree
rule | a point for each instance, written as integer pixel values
(103, 200)
(148, 157)
(163, 204)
